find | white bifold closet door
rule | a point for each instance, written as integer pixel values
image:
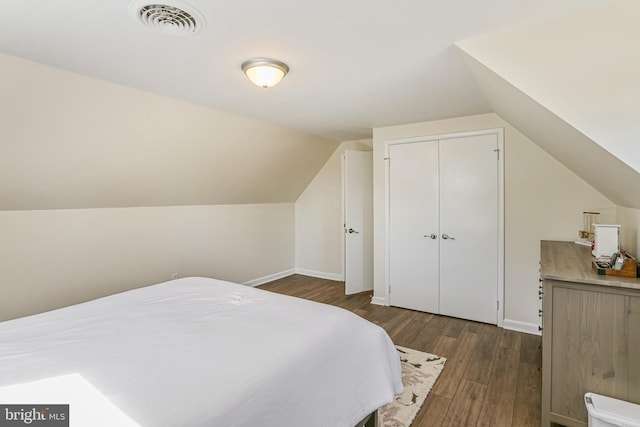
(443, 226)
(413, 219)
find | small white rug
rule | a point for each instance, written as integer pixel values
(419, 373)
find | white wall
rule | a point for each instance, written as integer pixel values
(319, 231)
(53, 258)
(543, 201)
(629, 220)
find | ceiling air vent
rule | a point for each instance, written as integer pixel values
(171, 17)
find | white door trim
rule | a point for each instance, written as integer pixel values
(343, 218)
(500, 135)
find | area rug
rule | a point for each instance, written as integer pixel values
(419, 372)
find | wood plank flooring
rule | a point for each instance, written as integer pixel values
(492, 376)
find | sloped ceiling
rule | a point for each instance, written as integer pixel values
(355, 64)
(572, 85)
(70, 141)
(97, 111)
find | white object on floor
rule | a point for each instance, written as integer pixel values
(608, 412)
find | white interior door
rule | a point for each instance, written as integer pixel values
(469, 227)
(358, 224)
(413, 226)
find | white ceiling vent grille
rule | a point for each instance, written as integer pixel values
(171, 17)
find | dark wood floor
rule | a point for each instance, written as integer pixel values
(492, 376)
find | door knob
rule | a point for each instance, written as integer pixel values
(433, 236)
(447, 237)
(351, 230)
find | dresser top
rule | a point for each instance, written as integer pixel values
(570, 262)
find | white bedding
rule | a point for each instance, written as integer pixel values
(203, 352)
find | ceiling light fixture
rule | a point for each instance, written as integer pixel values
(265, 72)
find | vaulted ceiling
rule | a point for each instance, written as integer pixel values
(355, 64)
(99, 111)
(573, 86)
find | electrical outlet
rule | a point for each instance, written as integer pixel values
(175, 276)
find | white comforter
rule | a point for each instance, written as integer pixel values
(201, 352)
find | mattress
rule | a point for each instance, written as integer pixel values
(200, 352)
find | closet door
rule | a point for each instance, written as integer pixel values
(413, 226)
(469, 227)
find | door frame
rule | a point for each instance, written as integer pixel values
(499, 132)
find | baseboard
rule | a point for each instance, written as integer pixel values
(319, 274)
(270, 278)
(378, 301)
(516, 325)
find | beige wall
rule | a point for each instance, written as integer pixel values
(629, 220)
(543, 200)
(579, 68)
(70, 141)
(105, 188)
(53, 258)
(571, 86)
(319, 231)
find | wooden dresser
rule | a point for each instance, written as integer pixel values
(590, 334)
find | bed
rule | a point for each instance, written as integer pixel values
(200, 352)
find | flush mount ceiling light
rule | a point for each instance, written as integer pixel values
(265, 72)
(171, 17)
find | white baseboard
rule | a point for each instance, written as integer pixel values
(320, 274)
(378, 301)
(270, 278)
(516, 325)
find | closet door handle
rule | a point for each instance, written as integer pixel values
(447, 237)
(431, 236)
